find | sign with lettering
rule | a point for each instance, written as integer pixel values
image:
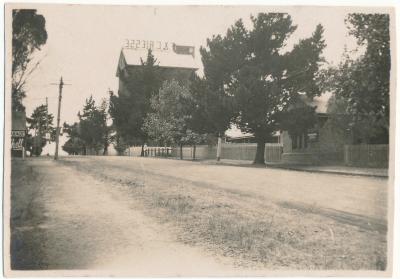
(17, 139)
(17, 133)
(145, 44)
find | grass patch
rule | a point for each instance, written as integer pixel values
(177, 204)
(252, 230)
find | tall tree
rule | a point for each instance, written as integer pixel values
(364, 82)
(169, 123)
(212, 110)
(93, 128)
(252, 68)
(41, 124)
(74, 145)
(28, 35)
(107, 129)
(128, 111)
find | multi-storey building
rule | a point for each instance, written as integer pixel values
(174, 61)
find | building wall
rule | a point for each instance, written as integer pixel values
(182, 75)
(328, 147)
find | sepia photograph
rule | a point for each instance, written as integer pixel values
(198, 140)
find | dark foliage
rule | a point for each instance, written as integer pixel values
(28, 35)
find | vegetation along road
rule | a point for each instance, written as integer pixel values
(171, 217)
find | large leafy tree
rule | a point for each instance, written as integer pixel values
(93, 130)
(252, 68)
(211, 110)
(106, 129)
(28, 35)
(363, 83)
(41, 125)
(74, 145)
(169, 123)
(129, 110)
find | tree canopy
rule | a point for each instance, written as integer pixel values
(93, 128)
(363, 83)
(41, 124)
(28, 35)
(129, 109)
(74, 145)
(252, 68)
(169, 123)
(211, 109)
(91, 133)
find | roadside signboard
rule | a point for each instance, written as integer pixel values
(17, 139)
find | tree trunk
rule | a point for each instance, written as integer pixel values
(181, 151)
(219, 147)
(194, 152)
(260, 160)
(105, 151)
(142, 151)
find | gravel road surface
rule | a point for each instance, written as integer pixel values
(161, 217)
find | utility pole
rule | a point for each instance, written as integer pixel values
(60, 87)
(47, 114)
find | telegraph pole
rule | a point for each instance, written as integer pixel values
(60, 87)
(47, 119)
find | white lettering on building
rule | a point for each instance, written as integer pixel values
(144, 44)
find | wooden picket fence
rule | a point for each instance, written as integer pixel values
(158, 152)
(367, 155)
(247, 151)
(231, 151)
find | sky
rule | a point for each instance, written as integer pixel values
(84, 42)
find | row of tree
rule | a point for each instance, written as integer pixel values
(251, 80)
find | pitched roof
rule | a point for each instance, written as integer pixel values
(134, 57)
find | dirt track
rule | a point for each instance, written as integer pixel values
(357, 195)
(87, 225)
(163, 217)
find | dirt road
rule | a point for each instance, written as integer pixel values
(350, 194)
(141, 216)
(81, 223)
